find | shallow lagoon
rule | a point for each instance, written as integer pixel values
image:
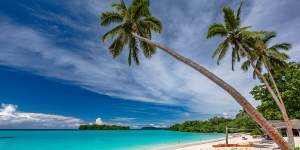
(95, 140)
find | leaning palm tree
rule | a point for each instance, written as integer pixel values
(270, 58)
(135, 19)
(237, 37)
(135, 23)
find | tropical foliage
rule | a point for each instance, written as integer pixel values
(233, 34)
(241, 123)
(134, 19)
(270, 57)
(216, 124)
(134, 26)
(288, 82)
(253, 46)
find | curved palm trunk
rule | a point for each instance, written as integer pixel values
(285, 116)
(229, 89)
(279, 103)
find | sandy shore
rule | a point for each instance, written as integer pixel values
(233, 139)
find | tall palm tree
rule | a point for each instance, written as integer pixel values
(132, 24)
(134, 19)
(238, 37)
(271, 57)
(263, 56)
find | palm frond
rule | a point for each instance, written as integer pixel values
(148, 49)
(119, 6)
(216, 30)
(251, 35)
(108, 18)
(281, 46)
(117, 45)
(133, 51)
(245, 65)
(267, 36)
(245, 28)
(113, 32)
(238, 14)
(143, 30)
(230, 20)
(273, 63)
(152, 23)
(139, 8)
(221, 46)
(221, 51)
(277, 55)
(235, 56)
(129, 56)
(138, 2)
(258, 66)
(135, 55)
(239, 54)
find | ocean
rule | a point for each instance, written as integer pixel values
(95, 140)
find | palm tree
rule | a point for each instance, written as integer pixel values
(263, 56)
(133, 25)
(135, 19)
(271, 58)
(238, 37)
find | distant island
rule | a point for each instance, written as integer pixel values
(153, 128)
(99, 125)
(102, 127)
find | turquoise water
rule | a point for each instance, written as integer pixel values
(95, 140)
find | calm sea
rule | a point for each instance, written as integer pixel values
(95, 140)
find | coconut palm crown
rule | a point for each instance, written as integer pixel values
(127, 20)
(233, 34)
(271, 57)
(248, 44)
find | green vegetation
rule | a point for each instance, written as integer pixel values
(216, 124)
(254, 46)
(241, 123)
(134, 25)
(102, 127)
(288, 82)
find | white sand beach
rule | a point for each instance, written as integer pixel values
(258, 144)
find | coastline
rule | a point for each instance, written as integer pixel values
(233, 139)
(191, 144)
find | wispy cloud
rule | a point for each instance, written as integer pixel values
(162, 80)
(11, 118)
(123, 119)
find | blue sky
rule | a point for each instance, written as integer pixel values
(55, 72)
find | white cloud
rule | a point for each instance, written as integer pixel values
(10, 118)
(160, 80)
(225, 115)
(122, 119)
(158, 125)
(99, 121)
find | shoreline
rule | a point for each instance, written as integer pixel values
(191, 144)
(237, 138)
